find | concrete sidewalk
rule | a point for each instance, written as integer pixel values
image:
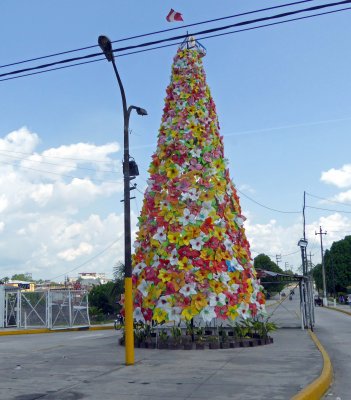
(90, 365)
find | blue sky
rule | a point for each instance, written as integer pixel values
(283, 100)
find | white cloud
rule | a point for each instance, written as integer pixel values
(3, 203)
(343, 197)
(338, 177)
(48, 226)
(72, 253)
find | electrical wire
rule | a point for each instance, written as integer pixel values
(330, 201)
(87, 261)
(145, 44)
(268, 208)
(328, 209)
(55, 164)
(174, 44)
(59, 158)
(59, 174)
(158, 32)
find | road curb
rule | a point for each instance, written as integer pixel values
(339, 310)
(45, 330)
(316, 389)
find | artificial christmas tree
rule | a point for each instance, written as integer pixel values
(192, 257)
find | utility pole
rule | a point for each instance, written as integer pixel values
(286, 266)
(278, 258)
(321, 233)
(310, 262)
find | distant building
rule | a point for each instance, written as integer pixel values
(88, 279)
(25, 286)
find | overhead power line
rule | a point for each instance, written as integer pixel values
(268, 208)
(328, 200)
(87, 261)
(158, 32)
(174, 44)
(329, 209)
(146, 44)
(56, 164)
(58, 174)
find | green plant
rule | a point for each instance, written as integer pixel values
(163, 335)
(176, 333)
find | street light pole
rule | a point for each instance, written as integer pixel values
(325, 301)
(106, 46)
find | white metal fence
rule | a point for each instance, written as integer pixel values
(53, 309)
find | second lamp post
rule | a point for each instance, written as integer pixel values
(130, 170)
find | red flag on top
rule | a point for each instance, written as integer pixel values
(174, 16)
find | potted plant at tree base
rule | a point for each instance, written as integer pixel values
(176, 342)
(224, 339)
(199, 339)
(213, 342)
(149, 337)
(163, 339)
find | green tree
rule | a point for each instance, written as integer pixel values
(105, 297)
(337, 261)
(22, 277)
(262, 261)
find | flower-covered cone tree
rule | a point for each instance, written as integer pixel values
(192, 257)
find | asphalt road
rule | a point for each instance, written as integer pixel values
(90, 365)
(334, 332)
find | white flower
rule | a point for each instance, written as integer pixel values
(217, 299)
(244, 310)
(190, 194)
(239, 220)
(196, 153)
(228, 245)
(220, 198)
(207, 205)
(138, 268)
(187, 217)
(136, 245)
(174, 257)
(235, 265)
(174, 314)
(208, 313)
(143, 288)
(235, 287)
(197, 243)
(138, 315)
(224, 277)
(163, 303)
(188, 289)
(160, 234)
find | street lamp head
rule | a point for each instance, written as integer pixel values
(106, 46)
(141, 111)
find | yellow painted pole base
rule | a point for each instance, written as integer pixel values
(129, 328)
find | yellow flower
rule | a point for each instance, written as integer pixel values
(164, 275)
(160, 315)
(189, 312)
(220, 255)
(201, 275)
(232, 313)
(216, 286)
(148, 302)
(172, 172)
(207, 254)
(173, 237)
(184, 239)
(198, 301)
(183, 263)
